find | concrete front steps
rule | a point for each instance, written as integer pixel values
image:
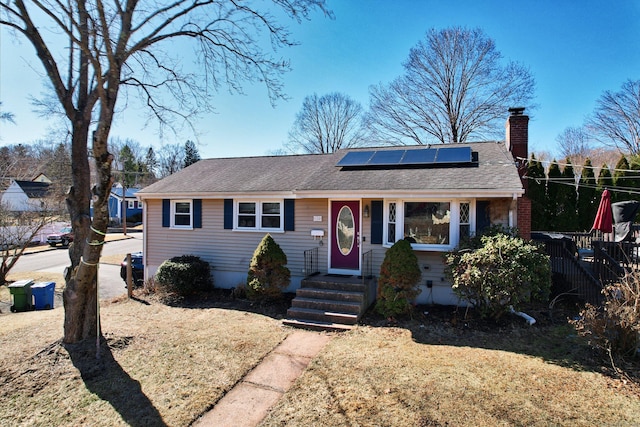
(329, 303)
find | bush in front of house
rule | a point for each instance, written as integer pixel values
(504, 272)
(398, 282)
(268, 275)
(614, 328)
(184, 275)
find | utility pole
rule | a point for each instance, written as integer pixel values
(124, 206)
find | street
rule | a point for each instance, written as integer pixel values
(110, 284)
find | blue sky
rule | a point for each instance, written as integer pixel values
(574, 49)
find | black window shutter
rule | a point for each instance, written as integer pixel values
(289, 214)
(228, 214)
(376, 222)
(483, 216)
(197, 213)
(166, 213)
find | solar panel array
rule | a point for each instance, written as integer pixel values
(413, 157)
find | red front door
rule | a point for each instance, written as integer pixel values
(345, 235)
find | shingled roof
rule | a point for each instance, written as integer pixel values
(34, 189)
(494, 172)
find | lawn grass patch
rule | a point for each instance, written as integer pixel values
(167, 365)
(384, 377)
(159, 364)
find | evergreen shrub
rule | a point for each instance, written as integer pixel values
(398, 282)
(185, 275)
(502, 273)
(268, 275)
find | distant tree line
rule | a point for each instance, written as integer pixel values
(134, 165)
(562, 200)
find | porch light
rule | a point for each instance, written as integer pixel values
(366, 211)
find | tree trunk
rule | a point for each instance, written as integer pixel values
(81, 292)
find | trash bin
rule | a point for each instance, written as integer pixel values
(43, 295)
(21, 291)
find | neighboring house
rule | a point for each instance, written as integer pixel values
(132, 208)
(42, 178)
(25, 196)
(348, 207)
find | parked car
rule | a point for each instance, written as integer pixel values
(62, 237)
(137, 269)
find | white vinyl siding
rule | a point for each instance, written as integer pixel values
(230, 251)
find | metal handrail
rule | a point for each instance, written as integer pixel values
(370, 285)
(367, 265)
(311, 262)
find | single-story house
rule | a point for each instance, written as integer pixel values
(25, 196)
(347, 207)
(130, 209)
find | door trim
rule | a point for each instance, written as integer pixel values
(331, 236)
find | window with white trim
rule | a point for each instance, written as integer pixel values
(427, 224)
(465, 219)
(259, 215)
(181, 214)
(391, 221)
(131, 204)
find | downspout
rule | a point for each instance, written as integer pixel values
(145, 224)
(511, 209)
(530, 320)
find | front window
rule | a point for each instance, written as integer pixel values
(427, 223)
(270, 215)
(246, 215)
(259, 215)
(430, 225)
(182, 214)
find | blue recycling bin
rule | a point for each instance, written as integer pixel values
(42, 293)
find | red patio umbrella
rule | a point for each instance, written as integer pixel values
(604, 217)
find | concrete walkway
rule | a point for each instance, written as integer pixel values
(250, 400)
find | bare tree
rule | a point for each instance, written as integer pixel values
(17, 232)
(454, 88)
(17, 162)
(171, 159)
(6, 116)
(616, 119)
(112, 46)
(574, 143)
(326, 124)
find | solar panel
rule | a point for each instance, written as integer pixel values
(454, 155)
(387, 157)
(404, 158)
(356, 158)
(423, 156)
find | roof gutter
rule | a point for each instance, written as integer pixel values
(327, 194)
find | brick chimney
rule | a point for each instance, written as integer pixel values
(518, 133)
(517, 140)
